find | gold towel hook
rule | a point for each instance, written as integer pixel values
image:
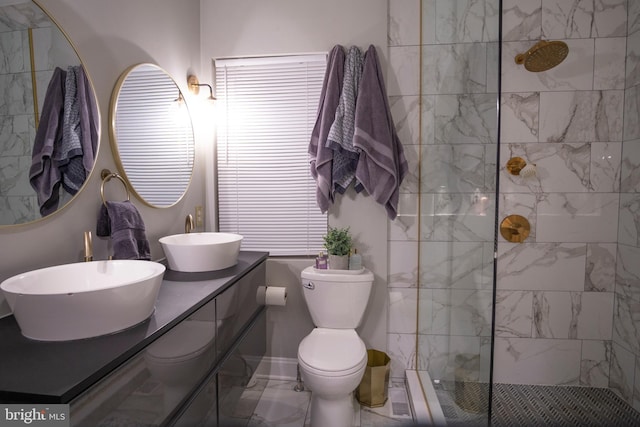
(106, 175)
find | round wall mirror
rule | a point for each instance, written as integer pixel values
(49, 118)
(152, 135)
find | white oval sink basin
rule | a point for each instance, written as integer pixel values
(83, 300)
(196, 252)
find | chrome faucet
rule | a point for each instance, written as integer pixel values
(188, 224)
(88, 247)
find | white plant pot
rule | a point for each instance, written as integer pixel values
(339, 262)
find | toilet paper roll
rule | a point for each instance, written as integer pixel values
(271, 295)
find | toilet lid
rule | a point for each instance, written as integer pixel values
(186, 338)
(332, 350)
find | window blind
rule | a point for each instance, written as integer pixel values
(267, 108)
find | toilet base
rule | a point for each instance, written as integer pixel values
(341, 411)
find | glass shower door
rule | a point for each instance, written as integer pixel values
(460, 69)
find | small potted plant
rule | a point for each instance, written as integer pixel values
(337, 241)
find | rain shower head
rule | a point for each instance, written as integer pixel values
(543, 56)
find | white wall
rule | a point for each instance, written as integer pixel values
(109, 37)
(232, 28)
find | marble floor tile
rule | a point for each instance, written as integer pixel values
(281, 406)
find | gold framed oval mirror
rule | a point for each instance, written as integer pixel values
(152, 135)
(49, 117)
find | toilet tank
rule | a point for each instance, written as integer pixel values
(336, 299)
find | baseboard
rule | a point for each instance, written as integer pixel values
(277, 368)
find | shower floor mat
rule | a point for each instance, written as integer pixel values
(534, 405)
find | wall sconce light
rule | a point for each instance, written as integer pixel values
(194, 87)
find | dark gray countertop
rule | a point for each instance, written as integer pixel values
(56, 372)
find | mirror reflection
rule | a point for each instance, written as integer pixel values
(152, 135)
(49, 120)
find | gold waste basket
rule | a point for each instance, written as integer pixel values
(373, 388)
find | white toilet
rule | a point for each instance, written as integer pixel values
(332, 357)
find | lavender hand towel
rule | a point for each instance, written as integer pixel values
(340, 139)
(321, 157)
(382, 165)
(44, 175)
(123, 223)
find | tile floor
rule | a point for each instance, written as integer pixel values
(265, 403)
(281, 406)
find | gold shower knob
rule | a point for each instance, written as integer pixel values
(515, 228)
(515, 165)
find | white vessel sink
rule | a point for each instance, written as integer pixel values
(83, 300)
(196, 252)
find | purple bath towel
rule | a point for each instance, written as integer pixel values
(76, 154)
(321, 157)
(68, 155)
(382, 165)
(89, 120)
(123, 223)
(44, 175)
(340, 138)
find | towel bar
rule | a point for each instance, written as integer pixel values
(106, 175)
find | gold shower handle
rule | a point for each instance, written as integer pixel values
(515, 228)
(515, 165)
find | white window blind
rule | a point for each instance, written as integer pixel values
(267, 108)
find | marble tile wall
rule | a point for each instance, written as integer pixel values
(558, 312)
(403, 89)
(445, 111)
(555, 291)
(16, 127)
(18, 203)
(625, 349)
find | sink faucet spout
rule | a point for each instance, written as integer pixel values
(88, 247)
(188, 224)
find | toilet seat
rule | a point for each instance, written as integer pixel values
(332, 352)
(187, 340)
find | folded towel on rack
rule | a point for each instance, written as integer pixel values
(44, 175)
(321, 157)
(340, 139)
(123, 223)
(382, 165)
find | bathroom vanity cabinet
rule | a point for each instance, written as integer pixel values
(191, 363)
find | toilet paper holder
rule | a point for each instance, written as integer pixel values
(271, 295)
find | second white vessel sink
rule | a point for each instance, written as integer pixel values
(197, 252)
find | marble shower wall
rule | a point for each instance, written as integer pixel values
(18, 203)
(555, 292)
(447, 103)
(625, 351)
